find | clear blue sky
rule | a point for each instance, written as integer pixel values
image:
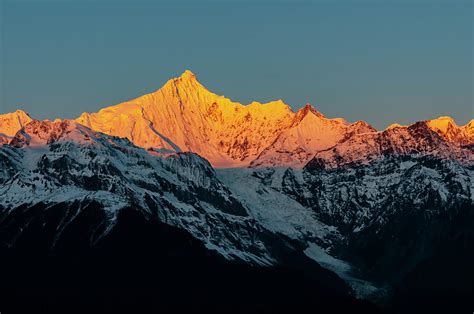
(381, 61)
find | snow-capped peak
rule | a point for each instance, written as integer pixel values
(40, 133)
(309, 133)
(418, 139)
(184, 115)
(447, 128)
(442, 124)
(188, 75)
(303, 112)
(469, 128)
(10, 123)
(395, 126)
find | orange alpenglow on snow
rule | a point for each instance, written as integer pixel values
(450, 131)
(185, 116)
(10, 123)
(447, 128)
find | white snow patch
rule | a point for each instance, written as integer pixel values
(274, 210)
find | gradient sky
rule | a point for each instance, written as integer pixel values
(379, 61)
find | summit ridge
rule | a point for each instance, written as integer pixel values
(184, 116)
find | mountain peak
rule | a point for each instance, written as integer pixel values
(11, 122)
(187, 81)
(309, 108)
(303, 112)
(444, 118)
(21, 113)
(442, 124)
(394, 126)
(188, 76)
(469, 128)
(43, 132)
(183, 115)
(363, 126)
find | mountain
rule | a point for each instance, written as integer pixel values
(404, 224)
(10, 123)
(184, 116)
(450, 131)
(213, 199)
(424, 138)
(65, 168)
(62, 162)
(73, 198)
(309, 132)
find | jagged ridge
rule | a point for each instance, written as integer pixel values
(185, 116)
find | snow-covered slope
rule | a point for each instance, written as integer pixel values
(63, 162)
(468, 129)
(309, 133)
(417, 139)
(447, 128)
(184, 116)
(391, 213)
(263, 192)
(10, 123)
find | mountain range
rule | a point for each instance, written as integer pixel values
(365, 214)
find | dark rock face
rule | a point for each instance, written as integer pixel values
(443, 280)
(145, 265)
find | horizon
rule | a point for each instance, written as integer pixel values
(396, 62)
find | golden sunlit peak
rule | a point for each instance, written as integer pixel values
(10, 123)
(278, 102)
(188, 75)
(186, 80)
(442, 123)
(394, 126)
(19, 111)
(445, 118)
